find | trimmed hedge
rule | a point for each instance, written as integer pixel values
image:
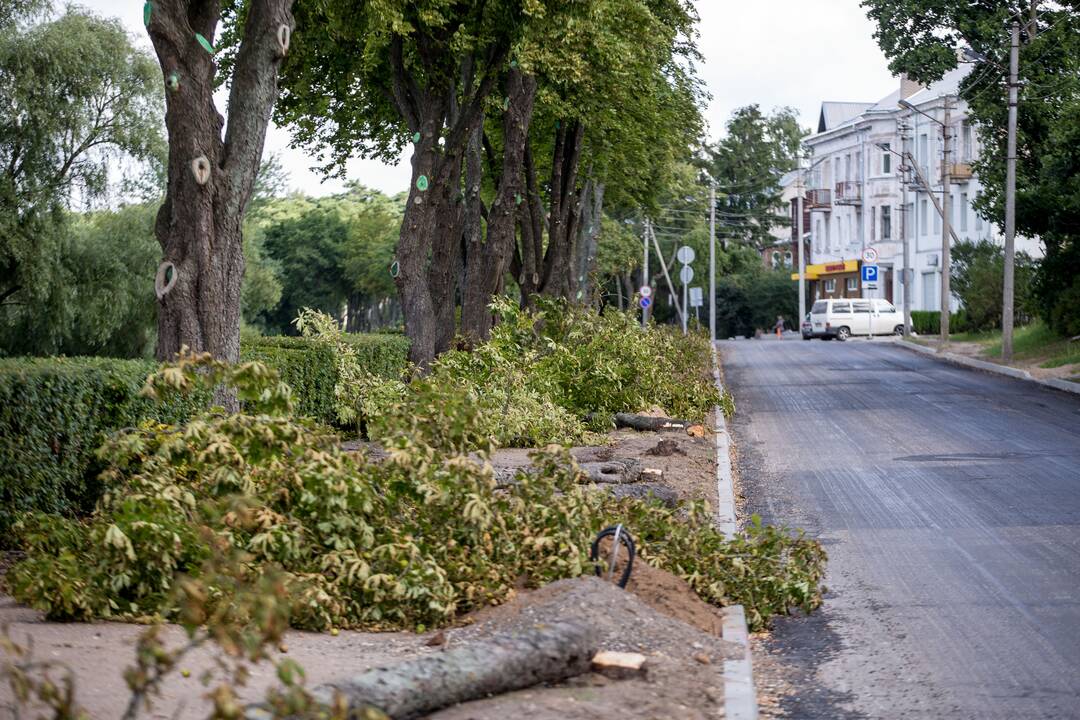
(310, 367)
(928, 322)
(56, 412)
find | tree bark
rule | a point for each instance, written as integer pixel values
(199, 224)
(489, 259)
(559, 279)
(647, 423)
(492, 666)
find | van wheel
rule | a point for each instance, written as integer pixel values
(843, 334)
(898, 330)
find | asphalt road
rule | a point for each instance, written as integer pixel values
(949, 503)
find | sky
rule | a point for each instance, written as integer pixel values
(769, 52)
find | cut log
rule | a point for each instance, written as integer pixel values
(619, 665)
(490, 666)
(646, 491)
(617, 471)
(644, 423)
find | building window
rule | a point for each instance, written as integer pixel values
(886, 222)
(830, 285)
(775, 259)
(937, 221)
(787, 259)
(873, 224)
(967, 149)
(924, 151)
(886, 159)
(909, 220)
(923, 215)
(963, 210)
(852, 284)
(978, 223)
(929, 291)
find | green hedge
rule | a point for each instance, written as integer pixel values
(55, 412)
(928, 322)
(310, 368)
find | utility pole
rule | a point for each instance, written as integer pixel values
(802, 255)
(1008, 294)
(645, 274)
(946, 192)
(712, 262)
(904, 220)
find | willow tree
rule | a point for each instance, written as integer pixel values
(212, 164)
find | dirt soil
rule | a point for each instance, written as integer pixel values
(660, 617)
(977, 351)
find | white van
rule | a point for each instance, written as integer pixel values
(843, 317)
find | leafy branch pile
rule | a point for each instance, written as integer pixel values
(552, 375)
(410, 542)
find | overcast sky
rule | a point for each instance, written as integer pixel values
(769, 52)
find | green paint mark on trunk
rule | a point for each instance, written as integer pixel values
(205, 43)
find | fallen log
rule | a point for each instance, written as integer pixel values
(490, 666)
(646, 491)
(617, 471)
(645, 423)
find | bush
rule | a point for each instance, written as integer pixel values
(978, 281)
(928, 322)
(54, 413)
(409, 542)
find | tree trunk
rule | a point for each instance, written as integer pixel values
(559, 280)
(488, 260)
(592, 212)
(492, 666)
(210, 179)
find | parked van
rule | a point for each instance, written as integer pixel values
(843, 317)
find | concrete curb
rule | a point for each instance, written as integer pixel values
(725, 485)
(740, 697)
(989, 367)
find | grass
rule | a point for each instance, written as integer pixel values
(1038, 342)
(983, 336)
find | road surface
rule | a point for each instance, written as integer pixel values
(949, 503)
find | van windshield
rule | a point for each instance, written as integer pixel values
(820, 307)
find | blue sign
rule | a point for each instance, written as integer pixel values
(869, 273)
(645, 302)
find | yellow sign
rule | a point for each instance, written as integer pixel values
(813, 272)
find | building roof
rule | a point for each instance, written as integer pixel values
(948, 85)
(837, 113)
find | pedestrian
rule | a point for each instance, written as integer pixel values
(779, 327)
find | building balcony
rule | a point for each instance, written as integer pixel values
(819, 199)
(848, 192)
(960, 172)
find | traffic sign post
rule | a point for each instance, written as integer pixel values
(685, 255)
(869, 256)
(645, 302)
(645, 291)
(870, 275)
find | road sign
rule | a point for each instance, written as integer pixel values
(645, 291)
(645, 302)
(869, 256)
(686, 274)
(685, 255)
(696, 297)
(869, 274)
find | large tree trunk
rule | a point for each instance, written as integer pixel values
(210, 179)
(430, 238)
(559, 279)
(489, 259)
(592, 211)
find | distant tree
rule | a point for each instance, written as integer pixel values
(920, 38)
(977, 280)
(74, 93)
(747, 164)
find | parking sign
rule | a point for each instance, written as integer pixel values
(869, 273)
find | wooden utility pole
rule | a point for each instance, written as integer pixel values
(1008, 293)
(946, 229)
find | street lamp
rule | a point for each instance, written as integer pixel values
(946, 181)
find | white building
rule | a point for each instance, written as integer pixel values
(858, 197)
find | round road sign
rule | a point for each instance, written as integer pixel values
(869, 256)
(686, 274)
(685, 255)
(645, 302)
(645, 291)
